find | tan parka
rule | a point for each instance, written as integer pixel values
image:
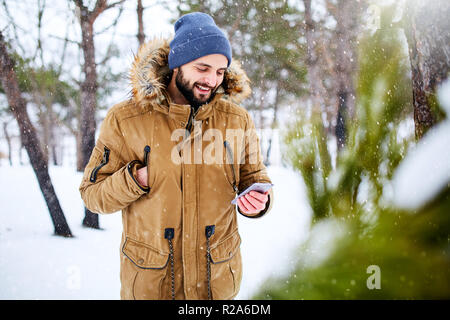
(180, 235)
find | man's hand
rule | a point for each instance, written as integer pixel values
(141, 176)
(253, 202)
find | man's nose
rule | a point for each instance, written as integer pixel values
(210, 80)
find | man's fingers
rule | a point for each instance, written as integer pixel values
(248, 205)
(258, 205)
(253, 201)
(141, 176)
(242, 206)
(260, 196)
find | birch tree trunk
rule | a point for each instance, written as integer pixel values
(427, 32)
(30, 140)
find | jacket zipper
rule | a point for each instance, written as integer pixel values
(105, 160)
(189, 124)
(188, 131)
(230, 154)
(188, 128)
(209, 231)
(169, 234)
(192, 115)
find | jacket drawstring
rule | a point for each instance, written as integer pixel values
(209, 231)
(169, 234)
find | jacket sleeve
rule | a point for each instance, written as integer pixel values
(252, 168)
(109, 182)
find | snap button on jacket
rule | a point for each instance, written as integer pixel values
(165, 252)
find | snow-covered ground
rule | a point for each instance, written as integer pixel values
(34, 264)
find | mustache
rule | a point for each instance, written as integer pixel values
(204, 85)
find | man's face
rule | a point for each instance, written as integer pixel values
(198, 80)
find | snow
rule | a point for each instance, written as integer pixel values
(38, 265)
(426, 169)
(35, 264)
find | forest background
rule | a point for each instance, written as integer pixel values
(350, 94)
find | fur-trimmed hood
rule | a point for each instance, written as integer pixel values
(150, 74)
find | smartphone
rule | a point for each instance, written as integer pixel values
(258, 186)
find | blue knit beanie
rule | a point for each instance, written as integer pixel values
(197, 35)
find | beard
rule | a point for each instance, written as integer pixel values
(187, 90)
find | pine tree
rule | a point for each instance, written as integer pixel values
(376, 251)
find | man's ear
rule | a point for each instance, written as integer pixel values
(173, 75)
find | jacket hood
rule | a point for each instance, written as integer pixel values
(150, 75)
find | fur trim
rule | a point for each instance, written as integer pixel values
(150, 74)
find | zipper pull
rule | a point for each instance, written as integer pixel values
(146, 153)
(169, 233)
(209, 231)
(106, 155)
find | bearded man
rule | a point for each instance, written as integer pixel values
(180, 236)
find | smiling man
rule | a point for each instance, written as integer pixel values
(180, 236)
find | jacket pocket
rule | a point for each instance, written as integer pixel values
(104, 162)
(226, 268)
(151, 270)
(141, 165)
(143, 255)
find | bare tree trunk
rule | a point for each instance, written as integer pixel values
(53, 140)
(20, 152)
(88, 103)
(88, 93)
(315, 81)
(80, 167)
(347, 14)
(8, 141)
(45, 134)
(140, 13)
(89, 88)
(427, 32)
(30, 140)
